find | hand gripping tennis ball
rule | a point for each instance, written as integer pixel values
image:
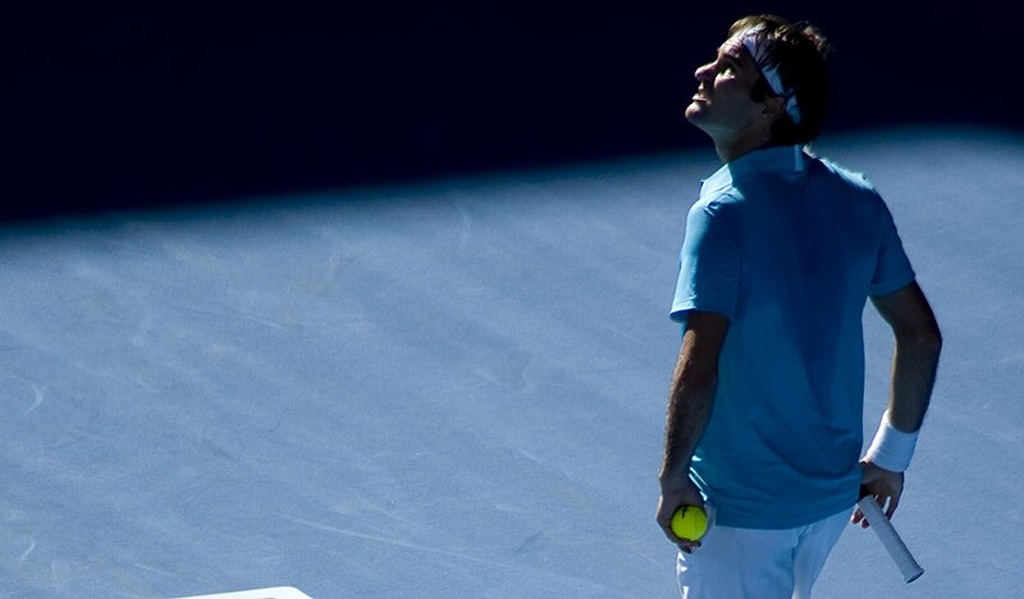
(689, 523)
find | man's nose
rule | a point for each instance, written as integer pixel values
(703, 72)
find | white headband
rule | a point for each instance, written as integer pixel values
(755, 43)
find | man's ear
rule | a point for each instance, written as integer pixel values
(773, 106)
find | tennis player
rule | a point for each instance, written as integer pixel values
(780, 254)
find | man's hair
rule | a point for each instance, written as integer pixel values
(797, 51)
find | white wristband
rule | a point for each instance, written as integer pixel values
(892, 448)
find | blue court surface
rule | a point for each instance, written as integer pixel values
(456, 388)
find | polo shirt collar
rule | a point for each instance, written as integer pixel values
(774, 159)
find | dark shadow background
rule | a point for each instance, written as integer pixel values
(161, 104)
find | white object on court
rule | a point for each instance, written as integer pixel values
(892, 542)
(269, 593)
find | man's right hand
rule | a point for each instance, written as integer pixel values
(885, 485)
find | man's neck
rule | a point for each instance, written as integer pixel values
(731, 149)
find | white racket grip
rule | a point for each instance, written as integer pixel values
(892, 542)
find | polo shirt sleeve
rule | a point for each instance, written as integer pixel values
(709, 264)
(892, 268)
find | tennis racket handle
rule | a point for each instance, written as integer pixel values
(890, 539)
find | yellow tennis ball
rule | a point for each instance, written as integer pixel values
(689, 523)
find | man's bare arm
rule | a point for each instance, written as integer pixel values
(693, 389)
(918, 343)
(916, 355)
(690, 400)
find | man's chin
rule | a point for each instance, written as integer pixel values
(694, 113)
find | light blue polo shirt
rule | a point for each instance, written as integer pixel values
(789, 247)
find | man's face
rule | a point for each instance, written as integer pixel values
(722, 103)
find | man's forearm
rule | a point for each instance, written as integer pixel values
(916, 356)
(689, 407)
(693, 391)
(914, 367)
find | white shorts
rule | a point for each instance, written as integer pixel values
(743, 563)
